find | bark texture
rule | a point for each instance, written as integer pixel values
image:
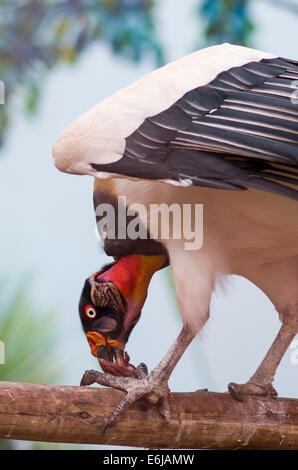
(199, 420)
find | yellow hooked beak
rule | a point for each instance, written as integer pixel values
(96, 340)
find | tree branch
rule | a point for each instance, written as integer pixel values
(198, 420)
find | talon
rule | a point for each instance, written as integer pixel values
(238, 391)
(88, 378)
(140, 384)
(232, 387)
(106, 426)
(141, 370)
(148, 386)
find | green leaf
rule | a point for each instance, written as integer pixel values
(32, 95)
(30, 338)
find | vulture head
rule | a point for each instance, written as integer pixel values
(110, 306)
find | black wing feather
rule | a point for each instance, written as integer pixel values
(238, 132)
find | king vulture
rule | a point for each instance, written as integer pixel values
(218, 128)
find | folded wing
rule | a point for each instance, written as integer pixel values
(239, 131)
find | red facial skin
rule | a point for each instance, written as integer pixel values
(131, 274)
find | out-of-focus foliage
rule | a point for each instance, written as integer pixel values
(227, 21)
(29, 339)
(36, 35)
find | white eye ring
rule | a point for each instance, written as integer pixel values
(90, 312)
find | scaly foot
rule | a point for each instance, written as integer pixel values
(153, 386)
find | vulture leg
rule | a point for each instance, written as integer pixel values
(261, 382)
(153, 386)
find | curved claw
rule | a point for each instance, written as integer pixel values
(238, 391)
(164, 409)
(141, 370)
(153, 387)
(233, 389)
(124, 404)
(89, 377)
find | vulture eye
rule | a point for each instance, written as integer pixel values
(90, 311)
